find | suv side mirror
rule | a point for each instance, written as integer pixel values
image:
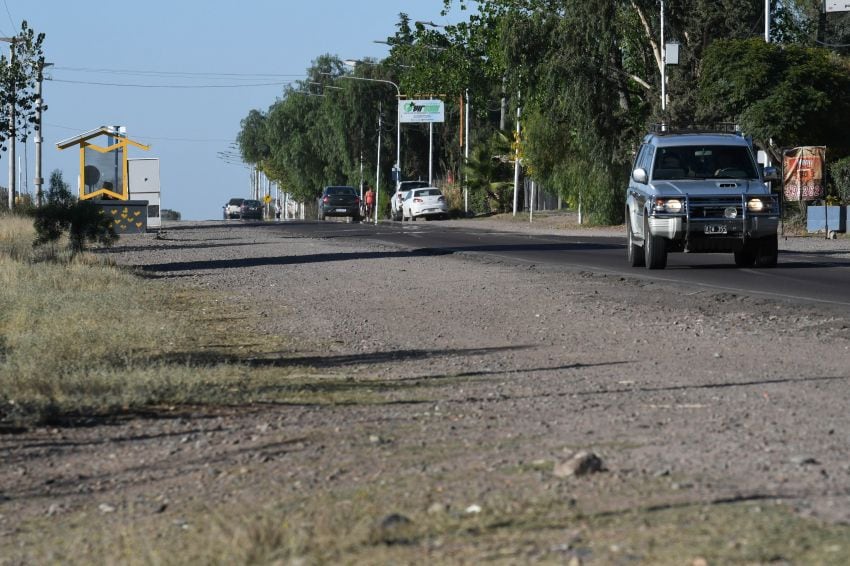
(639, 176)
(771, 174)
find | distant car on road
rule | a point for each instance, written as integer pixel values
(232, 208)
(251, 209)
(427, 203)
(398, 197)
(339, 201)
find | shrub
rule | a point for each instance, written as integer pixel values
(83, 221)
(840, 173)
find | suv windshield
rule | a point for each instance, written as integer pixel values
(703, 162)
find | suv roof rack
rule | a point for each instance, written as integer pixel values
(661, 128)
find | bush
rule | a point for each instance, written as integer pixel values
(83, 221)
(840, 173)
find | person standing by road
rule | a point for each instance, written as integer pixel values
(369, 197)
(277, 209)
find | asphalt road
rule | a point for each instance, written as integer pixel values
(800, 277)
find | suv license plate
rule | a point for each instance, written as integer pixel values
(715, 229)
(343, 210)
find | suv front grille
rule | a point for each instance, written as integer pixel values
(713, 207)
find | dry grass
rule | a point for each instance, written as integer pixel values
(354, 526)
(81, 337)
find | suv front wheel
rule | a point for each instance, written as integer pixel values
(634, 252)
(767, 251)
(654, 249)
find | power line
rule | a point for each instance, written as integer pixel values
(174, 73)
(136, 85)
(153, 138)
(825, 44)
(8, 13)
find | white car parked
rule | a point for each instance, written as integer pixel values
(398, 197)
(428, 203)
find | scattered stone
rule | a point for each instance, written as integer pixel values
(473, 509)
(394, 520)
(54, 509)
(581, 464)
(699, 561)
(395, 529)
(804, 461)
(106, 508)
(374, 439)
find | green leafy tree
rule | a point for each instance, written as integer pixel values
(319, 130)
(252, 139)
(792, 95)
(18, 80)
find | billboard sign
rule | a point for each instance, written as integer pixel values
(803, 178)
(838, 5)
(421, 111)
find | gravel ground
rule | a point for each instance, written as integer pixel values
(485, 367)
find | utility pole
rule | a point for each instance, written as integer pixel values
(12, 133)
(378, 167)
(39, 181)
(516, 156)
(663, 69)
(503, 107)
(466, 158)
(767, 21)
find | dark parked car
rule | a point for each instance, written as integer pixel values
(339, 201)
(251, 209)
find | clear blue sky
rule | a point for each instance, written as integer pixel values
(161, 43)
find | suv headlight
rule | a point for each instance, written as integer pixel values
(758, 205)
(670, 206)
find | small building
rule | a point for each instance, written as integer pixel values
(105, 178)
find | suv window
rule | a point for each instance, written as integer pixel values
(704, 162)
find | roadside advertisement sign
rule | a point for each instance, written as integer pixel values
(803, 178)
(421, 111)
(837, 6)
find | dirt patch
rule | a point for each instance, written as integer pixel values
(705, 410)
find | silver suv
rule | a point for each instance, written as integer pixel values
(703, 193)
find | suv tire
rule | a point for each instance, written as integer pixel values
(634, 252)
(747, 256)
(767, 251)
(654, 249)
